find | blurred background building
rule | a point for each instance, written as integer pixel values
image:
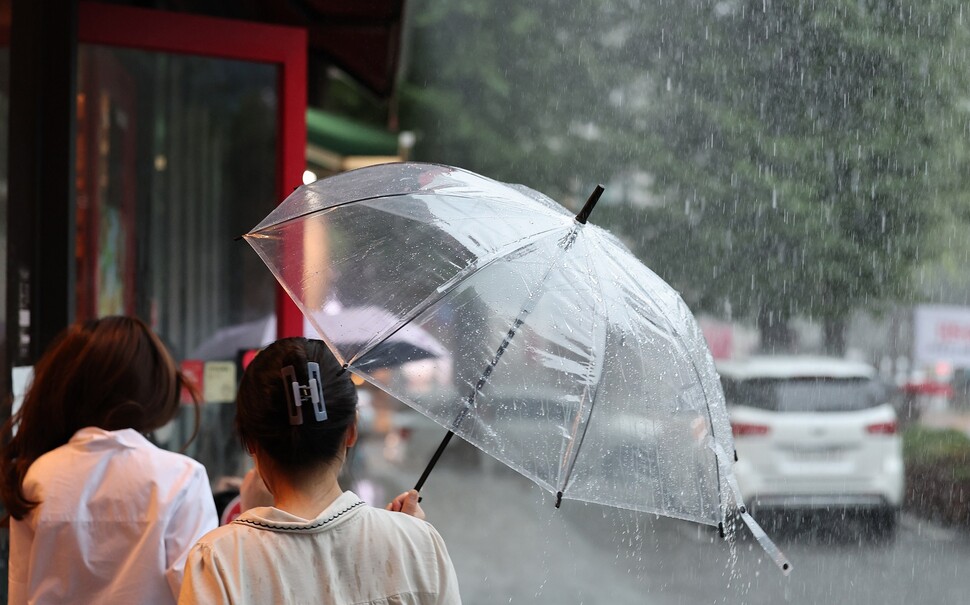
(145, 136)
(139, 138)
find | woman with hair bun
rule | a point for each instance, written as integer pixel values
(98, 514)
(296, 414)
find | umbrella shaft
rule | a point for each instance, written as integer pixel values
(470, 401)
(434, 460)
(530, 304)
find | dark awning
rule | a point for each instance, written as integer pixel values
(362, 37)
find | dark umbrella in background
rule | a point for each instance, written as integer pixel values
(226, 343)
(350, 328)
(347, 326)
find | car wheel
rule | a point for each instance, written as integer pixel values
(884, 523)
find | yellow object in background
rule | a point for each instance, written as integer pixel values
(219, 381)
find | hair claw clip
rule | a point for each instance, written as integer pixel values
(292, 390)
(297, 394)
(316, 391)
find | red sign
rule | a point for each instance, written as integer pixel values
(193, 370)
(248, 356)
(720, 339)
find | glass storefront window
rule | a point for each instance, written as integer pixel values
(176, 157)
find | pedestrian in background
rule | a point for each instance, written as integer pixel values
(98, 514)
(296, 413)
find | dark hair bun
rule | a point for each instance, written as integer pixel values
(262, 414)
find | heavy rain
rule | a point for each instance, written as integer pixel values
(797, 172)
(688, 281)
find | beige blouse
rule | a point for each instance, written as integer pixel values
(351, 554)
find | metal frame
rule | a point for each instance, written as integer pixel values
(40, 272)
(286, 47)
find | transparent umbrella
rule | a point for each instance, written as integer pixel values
(574, 364)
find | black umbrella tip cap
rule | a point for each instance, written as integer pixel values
(594, 197)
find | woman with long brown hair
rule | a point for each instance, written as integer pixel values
(98, 514)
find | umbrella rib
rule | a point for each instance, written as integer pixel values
(302, 215)
(710, 420)
(572, 454)
(453, 283)
(384, 196)
(697, 374)
(707, 407)
(473, 396)
(527, 308)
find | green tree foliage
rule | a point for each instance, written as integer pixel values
(514, 90)
(807, 150)
(801, 152)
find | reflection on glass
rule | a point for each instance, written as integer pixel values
(176, 156)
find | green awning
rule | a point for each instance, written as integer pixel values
(345, 137)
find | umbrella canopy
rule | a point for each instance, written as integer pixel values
(573, 363)
(345, 326)
(350, 328)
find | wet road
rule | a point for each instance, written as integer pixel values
(510, 545)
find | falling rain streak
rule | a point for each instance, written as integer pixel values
(798, 172)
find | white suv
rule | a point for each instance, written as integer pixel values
(815, 433)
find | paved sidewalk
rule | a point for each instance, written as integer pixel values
(947, 419)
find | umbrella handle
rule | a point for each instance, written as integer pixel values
(434, 460)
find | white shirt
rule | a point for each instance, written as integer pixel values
(116, 519)
(349, 554)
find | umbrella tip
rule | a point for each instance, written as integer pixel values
(558, 499)
(238, 237)
(594, 197)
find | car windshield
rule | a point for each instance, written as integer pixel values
(811, 394)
